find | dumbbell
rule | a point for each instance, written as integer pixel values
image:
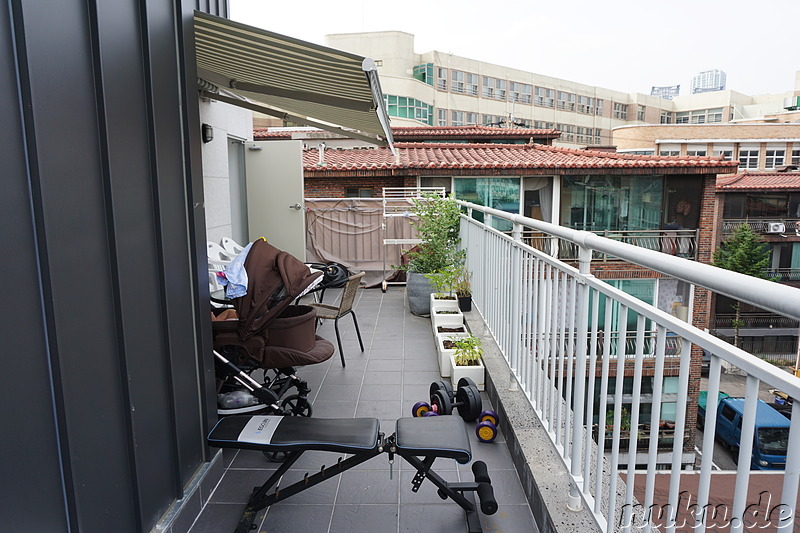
(467, 400)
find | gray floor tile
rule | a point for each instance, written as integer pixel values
(432, 518)
(384, 365)
(373, 518)
(381, 378)
(368, 486)
(371, 392)
(427, 491)
(217, 517)
(286, 518)
(330, 409)
(337, 393)
(379, 409)
(510, 518)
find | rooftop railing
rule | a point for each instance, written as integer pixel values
(545, 316)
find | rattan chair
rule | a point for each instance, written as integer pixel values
(345, 307)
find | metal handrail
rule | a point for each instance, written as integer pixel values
(545, 317)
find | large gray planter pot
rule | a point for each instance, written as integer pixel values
(418, 289)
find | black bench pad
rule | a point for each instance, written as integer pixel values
(438, 436)
(295, 433)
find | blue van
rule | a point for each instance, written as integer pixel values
(771, 437)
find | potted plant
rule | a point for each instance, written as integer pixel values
(446, 346)
(443, 297)
(462, 287)
(466, 361)
(446, 316)
(437, 225)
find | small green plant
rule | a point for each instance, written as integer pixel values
(462, 285)
(467, 351)
(443, 280)
(625, 419)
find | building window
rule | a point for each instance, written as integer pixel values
(494, 88)
(667, 117)
(457, 81)
(567, 132)
(774, 158)
(696, 152)
(441, 78)
(424, 73)
(472, 84)
(358, 192)
(640, 113)
(471, 119)
(403, 107)
(607, 202)
(586, 105)
(544, 97)
(519, 92)
(682, 117)
(796, 157)
(496, 192)
(456, 118)
(669, 149)
(748, 158)
(715, 115)
(566, 101)
(441, 117)
(620, 111)
(727, 154)
(598, 110)
(492, 120)
(542, 125)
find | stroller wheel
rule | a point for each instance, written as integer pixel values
(294, 405)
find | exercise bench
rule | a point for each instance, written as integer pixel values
(419, 441)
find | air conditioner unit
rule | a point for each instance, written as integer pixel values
(775, 227)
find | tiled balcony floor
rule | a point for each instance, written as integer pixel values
(392, 374)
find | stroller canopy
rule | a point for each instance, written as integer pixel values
(275, 279)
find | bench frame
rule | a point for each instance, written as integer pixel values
(460, 492)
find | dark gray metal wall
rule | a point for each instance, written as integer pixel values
(106, 342)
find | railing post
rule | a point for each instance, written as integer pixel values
(516, 316)
(582, 327)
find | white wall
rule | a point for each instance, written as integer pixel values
(227, 121)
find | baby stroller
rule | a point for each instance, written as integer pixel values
(270, 334)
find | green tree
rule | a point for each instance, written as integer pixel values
(746, 253)
(437, 224)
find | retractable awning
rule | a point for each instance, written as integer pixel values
(291, 79)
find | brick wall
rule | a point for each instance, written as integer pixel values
(335, 187)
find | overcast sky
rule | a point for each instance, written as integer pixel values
(625, 45)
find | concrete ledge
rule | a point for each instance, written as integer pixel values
(544, 478)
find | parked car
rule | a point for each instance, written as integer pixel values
(771, 436)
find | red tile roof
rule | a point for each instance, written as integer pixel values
(451, 132)
(500, 156)
(759, 180)
(262, 134)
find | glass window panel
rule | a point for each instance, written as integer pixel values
(499, 193)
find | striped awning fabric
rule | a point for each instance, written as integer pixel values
(289, 78)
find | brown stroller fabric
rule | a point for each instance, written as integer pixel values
(275, 279)
(270, 332)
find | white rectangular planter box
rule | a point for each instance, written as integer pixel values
(446, 317)
(474, 372)
(445, 353)
(436, 333)
(442, 303)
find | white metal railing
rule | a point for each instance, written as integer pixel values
(545, 316)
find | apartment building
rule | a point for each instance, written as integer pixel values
(441, 89)
(760, 146)
(769, 202)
